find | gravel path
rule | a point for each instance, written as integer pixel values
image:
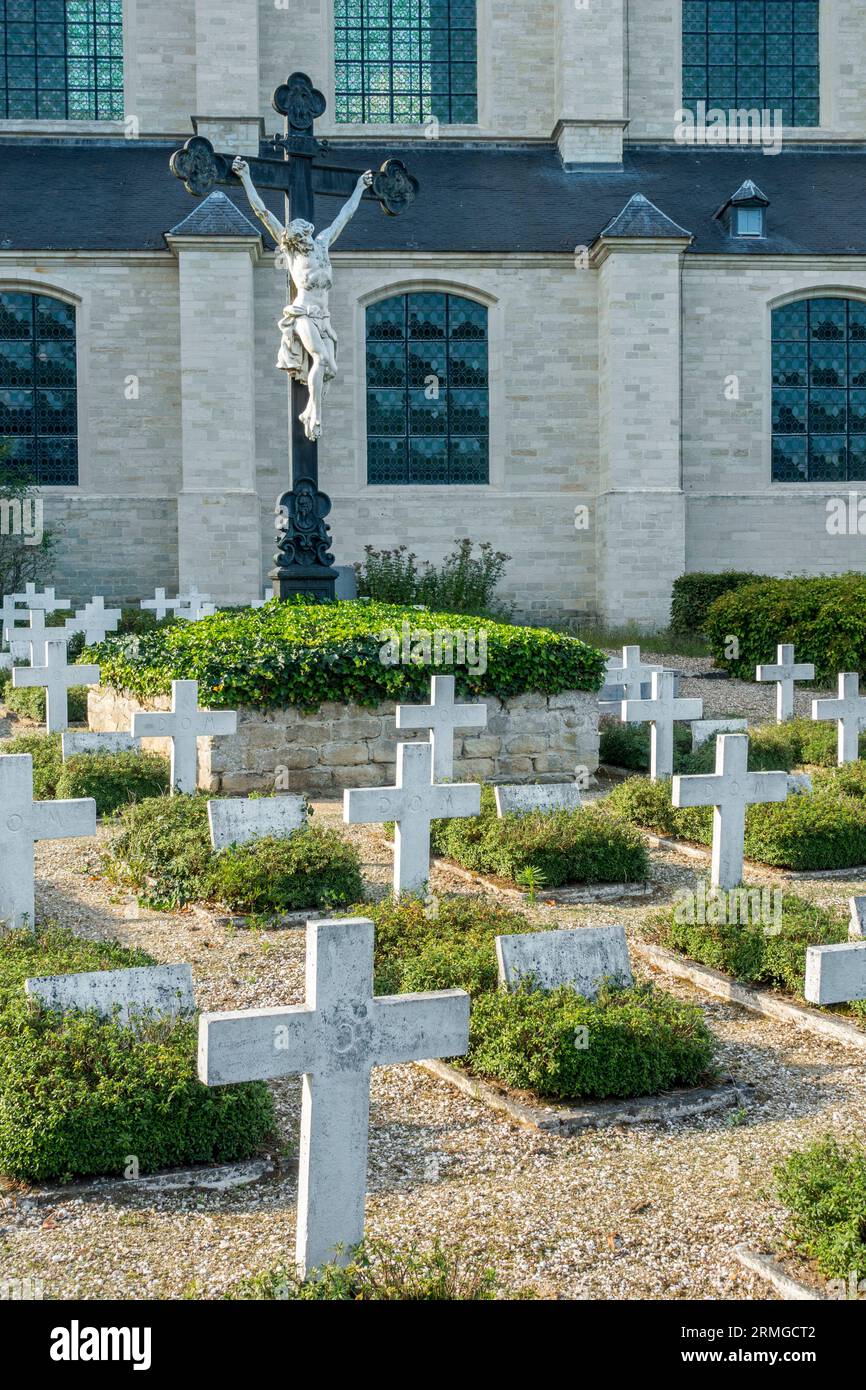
(727, 698)
(650, 1212)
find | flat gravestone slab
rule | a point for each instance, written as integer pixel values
(76, 743)
(583, 958)
(162, 991)
(523, 800)
(857, 925)
(836, 974)
(237, 820)
(704, 729)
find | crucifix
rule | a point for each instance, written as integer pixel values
(304, 564)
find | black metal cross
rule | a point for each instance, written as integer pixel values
(304, 564)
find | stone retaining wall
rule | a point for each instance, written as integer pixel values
(529, 738)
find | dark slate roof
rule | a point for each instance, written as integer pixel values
(748, 192)
(216, 215)
(119, 195)
(641, 218)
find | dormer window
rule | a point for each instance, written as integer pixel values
(745, 214)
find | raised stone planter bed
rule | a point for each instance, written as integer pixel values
(529, 738)
(682, 1104)
(759, 1001)
(775, 1274)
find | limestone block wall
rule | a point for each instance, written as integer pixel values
(529, 738)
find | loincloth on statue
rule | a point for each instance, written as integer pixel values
(293, 356)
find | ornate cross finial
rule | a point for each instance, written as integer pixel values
(200, 167)
(299, 101)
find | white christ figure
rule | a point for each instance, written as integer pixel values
(308, 350)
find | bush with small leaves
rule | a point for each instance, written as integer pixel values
(824, 1188)
(46, 752)
(80, 1094)
(378, 1272)
(113, 779)
(29, 702)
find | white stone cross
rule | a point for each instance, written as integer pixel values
(849, 711)
(23, 820)
(193, 606)
(333, 1040)
(632, 673)
(56, 677)
(836, 974)
(660, 711)
(785, 673)
(160, 604)
(34, 635)
(94, 620)
(442, 717)
(46, 600)
(184, 724)
(729, 791)
(412, 804)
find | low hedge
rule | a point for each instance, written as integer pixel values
(29, 702)
(824, 830)
(772, 747)
(752, 951)
(640, 1040)
(304, 654)
(162, 848)
(823, 617)
(824, 1187)
(80, 1095)
(112, 779)
(46, 752)
(583, 846)
(693, 594)
(628, 745)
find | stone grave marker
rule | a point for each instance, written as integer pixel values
(159, 604)
(849, 711)
(95, 621)
(87, 742)
(412, 804)
(705, 729)
(56, 677)
(729, 790)
(857, 925)
(785, 673)
(192, 607)
(160, 991)
(633, 673)
(46, 600)
(27, 642)
(523, 800)
(333, 1040)
(185, 724)
(22, 821)
(836, 974)
(583, 958)
(660, 712)
(442, 717)
(237, 820)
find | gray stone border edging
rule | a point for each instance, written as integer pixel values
(684, 1104)
(772, 1273)
(701, 852)
(758, 1001)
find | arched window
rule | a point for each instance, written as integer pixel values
(38, 417)
(819, 391)
(752, 54)
(406, 61)
(427, 390)
(61, 60)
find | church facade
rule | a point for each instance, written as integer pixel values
(620, 334)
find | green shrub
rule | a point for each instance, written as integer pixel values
(638, 1042)
(314, 867)
(826, 830)
(29, 702)
(79, 1095)
(377, 1272)
(693, 594)
(450, 949)
(824, 1186)
(461, 584)
(583, 846)
(162, 848)
(823, 617)
(628, 745)
(777, 748)
(114, 779)
(753, 951)
(47, 755)
(303, 654)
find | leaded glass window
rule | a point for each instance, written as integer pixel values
(404, 61)
(61, 60)
(819, 391)
(38, 412)
(752, 54)
(427, 390)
